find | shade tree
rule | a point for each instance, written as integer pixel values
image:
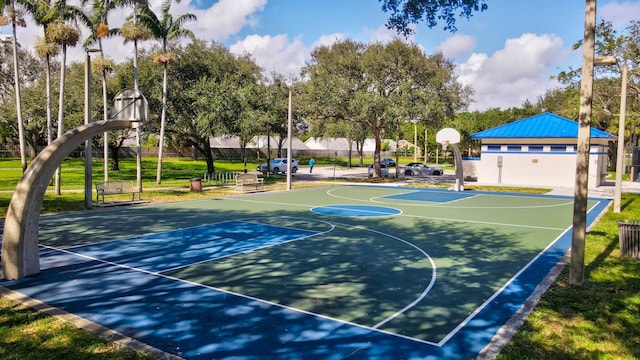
(380, 85)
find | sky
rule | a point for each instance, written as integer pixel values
(507, 54)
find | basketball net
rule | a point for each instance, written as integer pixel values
(445, 144)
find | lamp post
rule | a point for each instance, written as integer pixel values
(415, 141)
(576, 273)
(289, 142)
(620, 156)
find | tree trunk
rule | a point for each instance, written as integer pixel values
(115, 157)
(16, 77)
(163, 118)
(63, 67)
(377, 134)
(208, 155)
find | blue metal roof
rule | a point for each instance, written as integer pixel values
(545, 125)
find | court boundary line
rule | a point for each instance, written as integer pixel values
(502, 288)
(508, 329)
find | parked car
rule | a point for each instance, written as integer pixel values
(278, 165)
(389, 162)
(420, 169)
(384, 170)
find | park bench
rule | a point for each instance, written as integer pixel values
(246, 182)
(116, 187)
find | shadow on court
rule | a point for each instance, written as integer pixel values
(326, 287)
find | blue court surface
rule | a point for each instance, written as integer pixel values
(343, 272)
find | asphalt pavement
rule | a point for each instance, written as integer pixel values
(320, 173)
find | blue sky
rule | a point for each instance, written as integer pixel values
(506, 53)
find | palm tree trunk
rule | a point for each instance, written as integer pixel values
(48, 99)
(138, 146)
(163, 119)
(16, 77)
(61, 111)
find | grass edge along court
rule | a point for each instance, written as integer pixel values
(363, 355)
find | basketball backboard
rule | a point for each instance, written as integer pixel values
(130, 104)
(448, 136)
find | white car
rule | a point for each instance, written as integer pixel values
(279, 165)
(420, 169)
(384, 170)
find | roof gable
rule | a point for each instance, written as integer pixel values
(545, 125)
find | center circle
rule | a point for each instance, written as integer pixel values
(356, 210)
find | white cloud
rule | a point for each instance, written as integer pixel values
(514, 74)
(457, 46)
(384, 35)
(274, 53)
(226, 17)
(620, 13)
(328, 40)
(223, 19)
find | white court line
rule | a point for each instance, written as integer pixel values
(424, 292)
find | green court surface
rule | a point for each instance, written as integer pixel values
(394, 272)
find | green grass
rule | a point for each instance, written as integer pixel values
(28, 334)
(598, 320)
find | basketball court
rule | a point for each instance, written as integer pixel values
(357, 272)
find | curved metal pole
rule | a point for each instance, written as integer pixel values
(20, 253)
(457, 156)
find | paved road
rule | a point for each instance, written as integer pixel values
(329, 172)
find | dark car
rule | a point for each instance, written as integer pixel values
(419, 169)
(389, 162)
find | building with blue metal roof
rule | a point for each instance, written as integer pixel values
(539, 151)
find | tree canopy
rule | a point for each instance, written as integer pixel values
(380, 85)
(404, 13)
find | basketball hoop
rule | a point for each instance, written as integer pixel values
(445, 144)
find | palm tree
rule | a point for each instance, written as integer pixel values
(14, 17)
(132, 31)
(44, 13)
(65, 35)
(165, 29)
(103, 65)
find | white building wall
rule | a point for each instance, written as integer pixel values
(538, 168)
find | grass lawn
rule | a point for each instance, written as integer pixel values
(598, 320)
